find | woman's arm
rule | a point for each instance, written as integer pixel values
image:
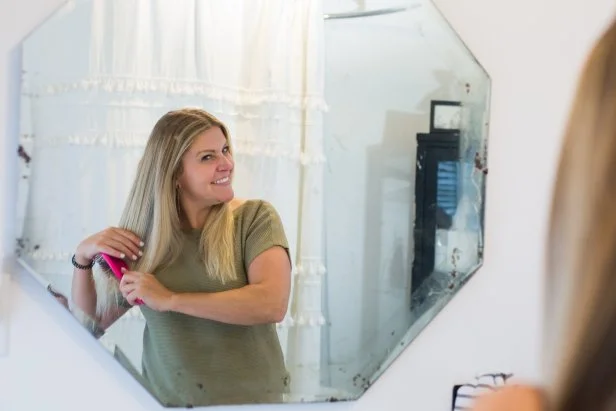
(84, 298)
(83, 290)
(264, 300)
(116, 242)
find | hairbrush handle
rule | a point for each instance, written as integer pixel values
(116, 265)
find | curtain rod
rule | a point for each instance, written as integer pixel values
(356, 14)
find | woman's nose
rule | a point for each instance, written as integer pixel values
(225, 163)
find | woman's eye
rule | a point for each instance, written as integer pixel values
(226, 150)
(206, 158)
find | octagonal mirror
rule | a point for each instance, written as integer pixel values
(301, 185)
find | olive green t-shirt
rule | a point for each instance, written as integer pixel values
(191, 361)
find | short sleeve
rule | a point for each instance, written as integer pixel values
(264, 232)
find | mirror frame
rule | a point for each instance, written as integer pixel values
(20, 267)
(5, 311)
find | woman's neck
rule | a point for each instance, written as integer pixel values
(194, 217)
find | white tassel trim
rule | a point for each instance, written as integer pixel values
(302, 320)
(40, 255)
(308, 268)
(175, 87)
(138, 141)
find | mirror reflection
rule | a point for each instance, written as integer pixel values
(251, 201)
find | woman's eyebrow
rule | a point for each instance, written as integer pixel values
(209, 150)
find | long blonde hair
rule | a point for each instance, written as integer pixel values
(581, 261)
(152, 210)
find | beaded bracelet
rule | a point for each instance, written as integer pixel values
(81, 267)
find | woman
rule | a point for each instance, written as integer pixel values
(213, 272)
(581, 272)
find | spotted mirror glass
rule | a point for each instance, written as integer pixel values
(352, 171)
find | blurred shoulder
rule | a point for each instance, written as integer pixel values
(512, 398)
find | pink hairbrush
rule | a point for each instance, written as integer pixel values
(115, 265)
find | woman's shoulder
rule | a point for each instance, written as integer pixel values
(250, 206)
(512, 398)
(259, 221)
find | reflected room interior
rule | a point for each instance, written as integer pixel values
(365, 124)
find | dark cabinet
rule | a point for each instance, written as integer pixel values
(436, 196)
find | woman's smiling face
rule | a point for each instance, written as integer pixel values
(207, 171)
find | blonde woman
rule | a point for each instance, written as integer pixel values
(213, 272)
(581, 272)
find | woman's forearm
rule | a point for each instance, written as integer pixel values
(85, 299)
(83, 292)
(249, 305)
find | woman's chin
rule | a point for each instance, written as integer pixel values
(221, 195)
(228, 196)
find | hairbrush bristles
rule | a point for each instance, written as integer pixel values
(103, 264)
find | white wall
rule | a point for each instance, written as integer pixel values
(533, 50)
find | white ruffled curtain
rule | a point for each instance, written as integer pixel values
(100, 73)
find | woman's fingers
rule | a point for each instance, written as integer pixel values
(130, 236)
(119, 241)
(132, 297)
(129, 277)
(120, 249)
(112, 251)
(127, 286)
(114, 241)
(132, 286)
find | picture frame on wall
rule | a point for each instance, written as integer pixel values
(445, 116)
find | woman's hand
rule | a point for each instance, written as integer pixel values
(116, 242)
(143, 286)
